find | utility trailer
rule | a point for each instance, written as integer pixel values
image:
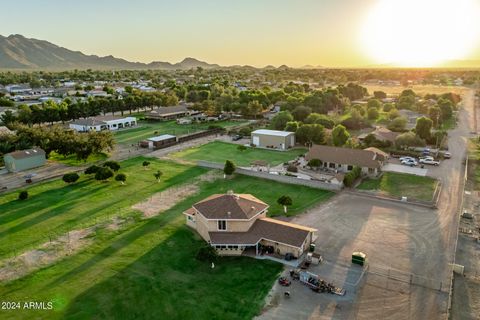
(315, 283)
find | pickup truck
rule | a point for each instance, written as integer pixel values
(429, 161)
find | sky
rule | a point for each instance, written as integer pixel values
(254, 32)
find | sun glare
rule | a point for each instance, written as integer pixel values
(420, 32)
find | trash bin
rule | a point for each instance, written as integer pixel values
(312, 247)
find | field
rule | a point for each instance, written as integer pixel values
(72, 160)
(141, 267)
(220, 151)
(147, 129)
(398, 185)
(418, 89)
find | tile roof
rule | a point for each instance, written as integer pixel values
(356, 157)
(266, 229)
(230, 206)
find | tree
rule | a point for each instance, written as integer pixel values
(254, 108)
(393, 113)
(280, 120)
(388, 106)
(292, 126)
(114, 165)
(70, 177)
(324, 120)
(314, 163)
(23, 195)
(145, 164)
(379, 94)
(434, 113)
(103, 174)
(423, 127)
(301, 112)
(121, 177)
(340, 135)
(285, 201)
(446, 108)
(207, 253)
(374, 103)
(241, 148)
(372, 113)
(408, 139)
(92, 169)
(311, 133)
(158, 175)
(229, 168)
(398, 124)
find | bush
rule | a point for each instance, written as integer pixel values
(229, 168)
(292, 168)
(114, 165)
(103, 174)
(122, 177)
(245, 131)
(351, 176)
(315, 163)
(145, 164)
(207, 253)
(92, 169)
(70, 177)
(23, 195)
(241, 148)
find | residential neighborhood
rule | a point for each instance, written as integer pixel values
(258, 160)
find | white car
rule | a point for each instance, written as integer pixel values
(447, 155)
(430, 161)
(426, 158)
(407, 159)
(409, 162)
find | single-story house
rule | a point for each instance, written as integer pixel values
(170, 113)
(345, 159)
(381, 134)
(24, 159)
(101, 123)
(162, 141)
(274, 139)
(234, 223)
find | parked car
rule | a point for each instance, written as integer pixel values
(410, 162)
(430, 161)
(237, 137)
(426, 158)
(407, 159)
(447, 155)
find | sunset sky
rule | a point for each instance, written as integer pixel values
(335, 33)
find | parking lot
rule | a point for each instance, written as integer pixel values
(403, 244)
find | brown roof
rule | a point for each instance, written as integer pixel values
(378, 151)
(265, 228)
(230, 206)
(166, 111)
(22, 154)
(337, 155)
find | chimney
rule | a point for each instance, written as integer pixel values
(230, 192)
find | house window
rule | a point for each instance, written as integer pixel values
(350, 167)
(190, 218)
(332, 165)
(222, 225)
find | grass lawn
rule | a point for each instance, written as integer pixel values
(147, 129)
(218, 151)
(400, 184)
(147, 268)
(72, 160)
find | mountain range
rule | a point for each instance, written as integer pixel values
(20, 53)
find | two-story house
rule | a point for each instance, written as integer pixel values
(233, 223)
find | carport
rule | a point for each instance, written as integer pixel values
(391, 167)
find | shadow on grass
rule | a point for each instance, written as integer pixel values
(168, 282)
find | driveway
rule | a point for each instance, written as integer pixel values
(399, 168)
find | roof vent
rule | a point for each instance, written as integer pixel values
(230, 192)
(253, 208)
(229, 214)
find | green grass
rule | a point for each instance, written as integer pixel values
(400, 184)
(147, 129)
(72, 160)
(220, 151)
(145, 269)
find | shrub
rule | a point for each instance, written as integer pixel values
(351, 176)
(23, 195)
(245, 131)
(241, 148)
(315, 163)
(114, 165)
(145, 164)
(292, 168)
(229, 168)
(207, 253)
(122, 177)
(103, 174)
(70, 177)
(92, 169)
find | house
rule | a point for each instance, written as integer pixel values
(274, 139)
(237, 223)
(100, 123)
(24, 159)
(345, 159)
(381, 134)
(170, 113)
(162, 141)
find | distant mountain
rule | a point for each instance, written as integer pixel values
(18, 52)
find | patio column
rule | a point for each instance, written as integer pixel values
(256, 249)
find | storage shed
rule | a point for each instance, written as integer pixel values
(24, 159)
(274, 139)
(162, 141)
